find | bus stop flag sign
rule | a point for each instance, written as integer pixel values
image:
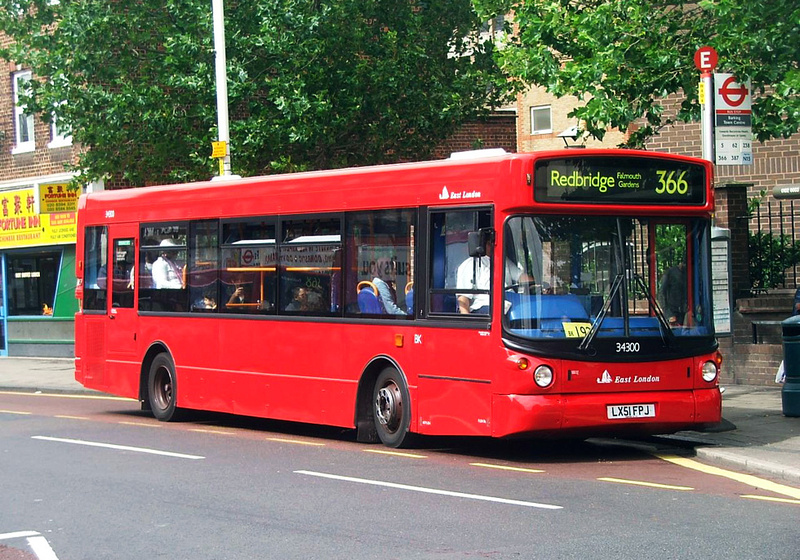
(733, 121)
(705, 59)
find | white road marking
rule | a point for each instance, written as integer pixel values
(39, 545)
(41, 548)
(430, 490)
(18, 535)
(119, 447)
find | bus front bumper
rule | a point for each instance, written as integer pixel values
(605, 413)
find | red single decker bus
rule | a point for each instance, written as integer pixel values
(489, 294)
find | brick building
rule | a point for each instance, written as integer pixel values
(37, 228)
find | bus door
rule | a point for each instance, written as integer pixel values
(121, 345)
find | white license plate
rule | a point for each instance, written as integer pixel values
(622, 411)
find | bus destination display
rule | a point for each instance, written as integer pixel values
(616, 180)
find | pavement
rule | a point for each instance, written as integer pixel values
(754, 435)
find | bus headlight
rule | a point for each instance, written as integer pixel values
(543, 376)
(709, 371)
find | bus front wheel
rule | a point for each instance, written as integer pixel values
(161, 388)
(391, 408)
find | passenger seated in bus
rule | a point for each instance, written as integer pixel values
(385, 283)
(237, 296)
(205, 302)
(305, 299)
(167, 274)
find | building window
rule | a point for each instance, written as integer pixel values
(23, 121)
(58, 138)
(32, 282)
(541, 122)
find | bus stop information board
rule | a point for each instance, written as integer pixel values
(733, 121)
(609, 180)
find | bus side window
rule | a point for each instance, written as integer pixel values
(163, 267)
(380, 249)
(95, 270)
(448, 251)
(249, 267)
(203, 266)
(309, 253)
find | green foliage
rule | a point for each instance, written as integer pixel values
(311, 84)
(755, 201)
(623, 58)
(770, 256)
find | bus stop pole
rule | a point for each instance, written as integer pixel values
(707, 115)
(222, 82)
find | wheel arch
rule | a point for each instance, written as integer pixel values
(365, 427)
(155, 349)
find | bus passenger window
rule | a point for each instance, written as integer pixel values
(310, 257)
(203, 266)
(249, 267)
(163, 268)
(380, 271)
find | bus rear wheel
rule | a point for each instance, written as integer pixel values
(161, 388)
(391, 408)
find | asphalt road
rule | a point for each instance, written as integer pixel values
(95, 478)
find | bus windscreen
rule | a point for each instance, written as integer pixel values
(612, 180)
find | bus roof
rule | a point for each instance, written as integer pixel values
(465, 178)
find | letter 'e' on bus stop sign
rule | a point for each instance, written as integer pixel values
(705, 59)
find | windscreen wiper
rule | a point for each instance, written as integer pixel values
(667, 336)
(590, 336)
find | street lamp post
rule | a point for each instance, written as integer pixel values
(221, 74)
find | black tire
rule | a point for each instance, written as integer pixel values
(162, 391)
(391, 408)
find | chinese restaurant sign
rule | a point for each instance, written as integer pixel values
(50, 220)
(57, 198)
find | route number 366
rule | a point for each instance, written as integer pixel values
(670, 185)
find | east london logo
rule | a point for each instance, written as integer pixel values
(461, 195)
(606, 378)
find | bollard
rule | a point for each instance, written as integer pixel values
(790, 394)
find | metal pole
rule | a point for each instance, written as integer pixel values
(222, 82)
(707, 119)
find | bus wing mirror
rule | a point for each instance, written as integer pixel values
(477, 241)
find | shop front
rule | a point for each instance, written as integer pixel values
(38, 229)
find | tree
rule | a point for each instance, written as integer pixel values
(623, 58)
(311, 84)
